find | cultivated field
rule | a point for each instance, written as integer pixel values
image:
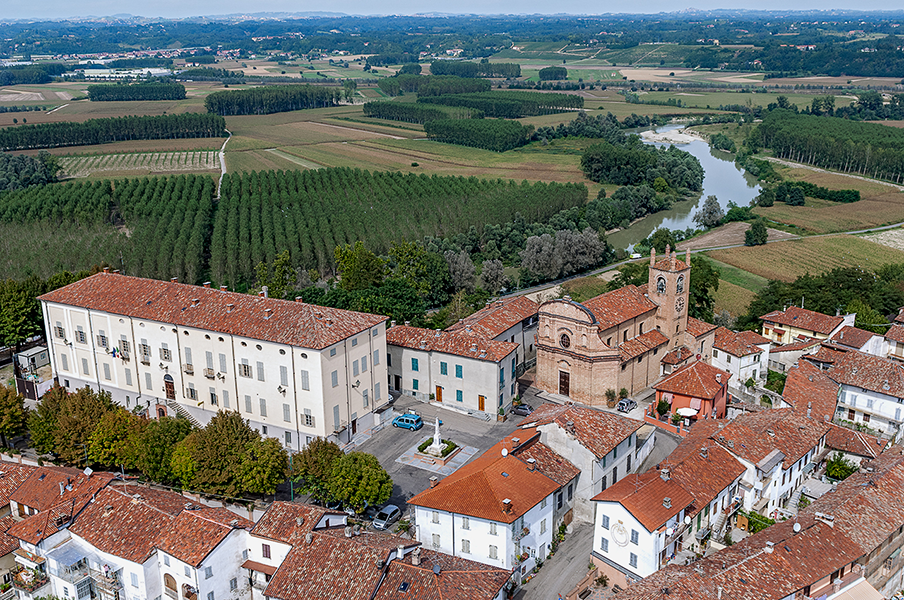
(727, 235)
(732, 298)
(715, 99)
(893, 238)
(789, 260)
(140, 163)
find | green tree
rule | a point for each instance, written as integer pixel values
(756, 235)
(42, 422)
(313, 466)
(702, 289)
(12, 414)
(867, 318)
(838, 467)
(266, 465)
(78, 418)
(280, 277)
(796, 197)
(359, 268)
(711, 213)
(358, 480)
(115, 440)
(427, 272)
(661, 238)
(182, 464)
(635, 273)
(157, 444)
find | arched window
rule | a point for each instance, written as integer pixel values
(680, 287)
(660, 285)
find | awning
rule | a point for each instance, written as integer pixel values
(70, 554)
(687, 412)
(259, 567)
(696, 403)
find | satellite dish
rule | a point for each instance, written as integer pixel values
(669, 531)
(796, 528)
(504, 452)
(687, 520)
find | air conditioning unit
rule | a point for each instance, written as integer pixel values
(145, 359)
(189, 369)
(208, 373)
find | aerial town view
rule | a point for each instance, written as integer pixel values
(418, 301)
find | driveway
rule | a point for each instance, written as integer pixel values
(391, 442)
(564, 570)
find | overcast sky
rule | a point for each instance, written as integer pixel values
(22, 9)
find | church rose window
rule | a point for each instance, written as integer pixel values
(565, 340)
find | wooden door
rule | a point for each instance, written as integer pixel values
(439, 394)
(481, 402)
(354, 426)
(564, 382)
(170, 388)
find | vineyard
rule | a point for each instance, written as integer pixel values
(166, 227)
(153, 162)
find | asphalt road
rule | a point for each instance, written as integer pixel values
(563, 571)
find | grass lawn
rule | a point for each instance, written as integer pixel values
(585, 288)
(789, 260)
(739, 277)
(715, 99)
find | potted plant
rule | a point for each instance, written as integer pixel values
(623, 393)
(676, 418)
(610, 398)
(500, 416)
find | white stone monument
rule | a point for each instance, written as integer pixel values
(436, 448)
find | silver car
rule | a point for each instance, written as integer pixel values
(386, 517)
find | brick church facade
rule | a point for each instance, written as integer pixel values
(617, 340)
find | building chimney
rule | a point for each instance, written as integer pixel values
(665, 474)
(207, 284)
(407, 323)
(195, 301)
(416, 557)
(400, 552)
(506, 505)
(298, 299)
(667, 502)
(116, 271)
(62, 489)
(268, 312)
(433, 481)
(769, 547)
(308, 538)
(223, 288)
(174, 280)
(392, 323)
(515, 442)
(719, 377)
(809, 408)
(299, 521)
(229, 307)
(266, 291)
(107, 270)
(531, 464)
(704, 452)
(262, 294)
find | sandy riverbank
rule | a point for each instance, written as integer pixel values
(676, 136)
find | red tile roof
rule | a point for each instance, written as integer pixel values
(854, 442)
(280, 522)
(855, 368)
(8, 543)
(479, 488)
(796, 346)
(899, 318)
(665, 264)
(754, 435)
(738, 344)
(696, 380)
(458, 344)
(702, 467)
(455, 579)
(644, 497)
(852, 337)
(642, 344)
(596, 430)
(41, 489)
(618, 306)
(809, 387)
(696, 327)
(802, 318)
(292, 323)
(677, 356)
(12, 476)
(498, 317)
(896, 333)
(547, 461)
(195, 533)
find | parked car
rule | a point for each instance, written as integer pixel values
(408, 421)
(626, 405)
(522, 409)
(386, 517)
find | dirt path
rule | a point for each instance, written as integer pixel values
(795, 165)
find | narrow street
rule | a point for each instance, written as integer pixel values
(564, 570)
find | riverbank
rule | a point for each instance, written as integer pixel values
(672, 136)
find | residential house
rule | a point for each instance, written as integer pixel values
(331, 561)
(894, 340)
(783, 358)
(786, 326)
(602, 445)
(502, 508)
(639, 523)
(872, 388)
(8, 545)
(465, 372)
(698, 388)
(743, 354)
(12, 476)
(810, 391)
(854, 338)
(855, 446)
(778, 448)
(512, 319)
(847, 544)
(294, 370)
(40, 489)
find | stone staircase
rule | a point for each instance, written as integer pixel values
(180, 410)
(795, 500)
(719, 524)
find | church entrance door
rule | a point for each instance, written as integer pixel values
(564, 382)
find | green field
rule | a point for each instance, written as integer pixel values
(722, 98)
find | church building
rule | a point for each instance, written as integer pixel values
(617, 340)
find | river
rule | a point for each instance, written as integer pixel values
(722, 179)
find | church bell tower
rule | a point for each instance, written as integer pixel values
(668, 287)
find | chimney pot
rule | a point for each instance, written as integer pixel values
(174, 280)
(664, 474)
(195, 302)
(298, 299)
(106, 269)
(515, 441)
(265, 291)
(229, 307)
(223, 288)
(392, 323)
(667, 502)
(416, 556)
(531, 464)
(207, 284)
(433, 481)
(719, 377)
(407, 323)
(268, 313)
(116, 271)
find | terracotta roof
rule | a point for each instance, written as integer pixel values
(853, 442)
(458, 344)
(739, 344)
(755, 435)
(644, 497)
(852, 337)
(41, 489)
(697, 380)
(896, 333)
(899, 318)
(598, 431)
(195, 533)
(802, 318)
(455, 578)
(677, 356)
(12, 475)
(280, 522)
(696, 327)
(800, 344)
(809, 387)
(498, 317)
(292, 323)
(665, 264)
(855, 368)
(479, 488)
(618, 306)
(702, 467)
(8, 543)
(547, 461)
(641, 344)
(259, 567)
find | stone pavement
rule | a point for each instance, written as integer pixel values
(412, 458)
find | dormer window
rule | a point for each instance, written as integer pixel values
(660, 285)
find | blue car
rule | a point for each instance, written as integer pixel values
(408, 421)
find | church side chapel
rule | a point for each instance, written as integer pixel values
(617, 340)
